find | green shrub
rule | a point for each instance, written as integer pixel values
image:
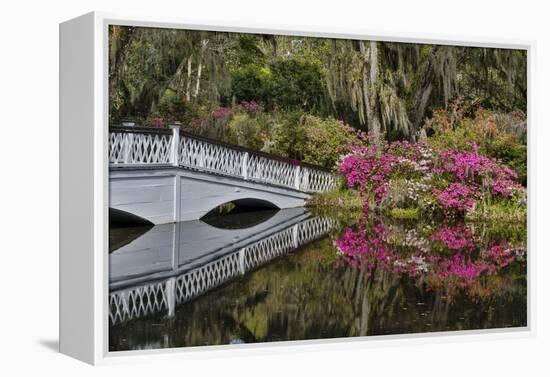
(323, 141)
(246, 131)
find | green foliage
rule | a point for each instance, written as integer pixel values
(245, 130)
(297, 84)
(284, 133)
(507, 149)
(496, 78)
(283, 84)
(171, 107)
(252, 82)
(294, 134)
(323, 141)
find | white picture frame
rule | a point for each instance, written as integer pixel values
(84, 191)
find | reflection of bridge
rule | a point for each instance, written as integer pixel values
(174, 263)
(166, 175)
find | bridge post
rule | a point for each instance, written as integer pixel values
(125, 302)
(242, 262)
(297, 177)
(244, 168)
(170, 295)
(127, 122)
(174, 157)
(305, 179)
(128, 141)
(295, 236)
(201, 155)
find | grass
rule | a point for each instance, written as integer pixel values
(404, 213)
(340, 198)
(498, 212)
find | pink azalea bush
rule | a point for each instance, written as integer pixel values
(457, 196)
(251, 107)
(456, 181)
(157, 123)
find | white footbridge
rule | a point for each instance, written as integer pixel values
(167, 175)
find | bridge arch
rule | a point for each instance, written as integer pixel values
(175, 194)
(241, 205)
(240, 214)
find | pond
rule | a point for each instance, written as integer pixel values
(292, 275)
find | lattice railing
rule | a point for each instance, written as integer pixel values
(135, 302)
(137, 146)
(195, 153)
(127, 148)
(275, 172)
(202, 279)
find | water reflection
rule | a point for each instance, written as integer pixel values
(173, 263)
(367, 277)
(457, 257)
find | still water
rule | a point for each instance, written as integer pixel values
(291, 275)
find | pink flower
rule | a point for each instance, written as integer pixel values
(221, 112)
(157, 122)
(457, 196)
(250, 107)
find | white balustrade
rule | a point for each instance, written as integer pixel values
(132, 147)
(128, 148)
(135, 302)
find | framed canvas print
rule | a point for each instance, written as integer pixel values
(239, 188)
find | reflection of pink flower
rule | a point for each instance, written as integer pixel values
(458, 237)
(458, 260)
(458, 266)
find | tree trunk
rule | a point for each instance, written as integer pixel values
(188, 89)
(422, 98)
(204, 43)
(370, 98)
(197, 87)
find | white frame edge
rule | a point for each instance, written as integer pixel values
(84, 191)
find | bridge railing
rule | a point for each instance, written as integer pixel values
(135, 146)
(135, 302)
